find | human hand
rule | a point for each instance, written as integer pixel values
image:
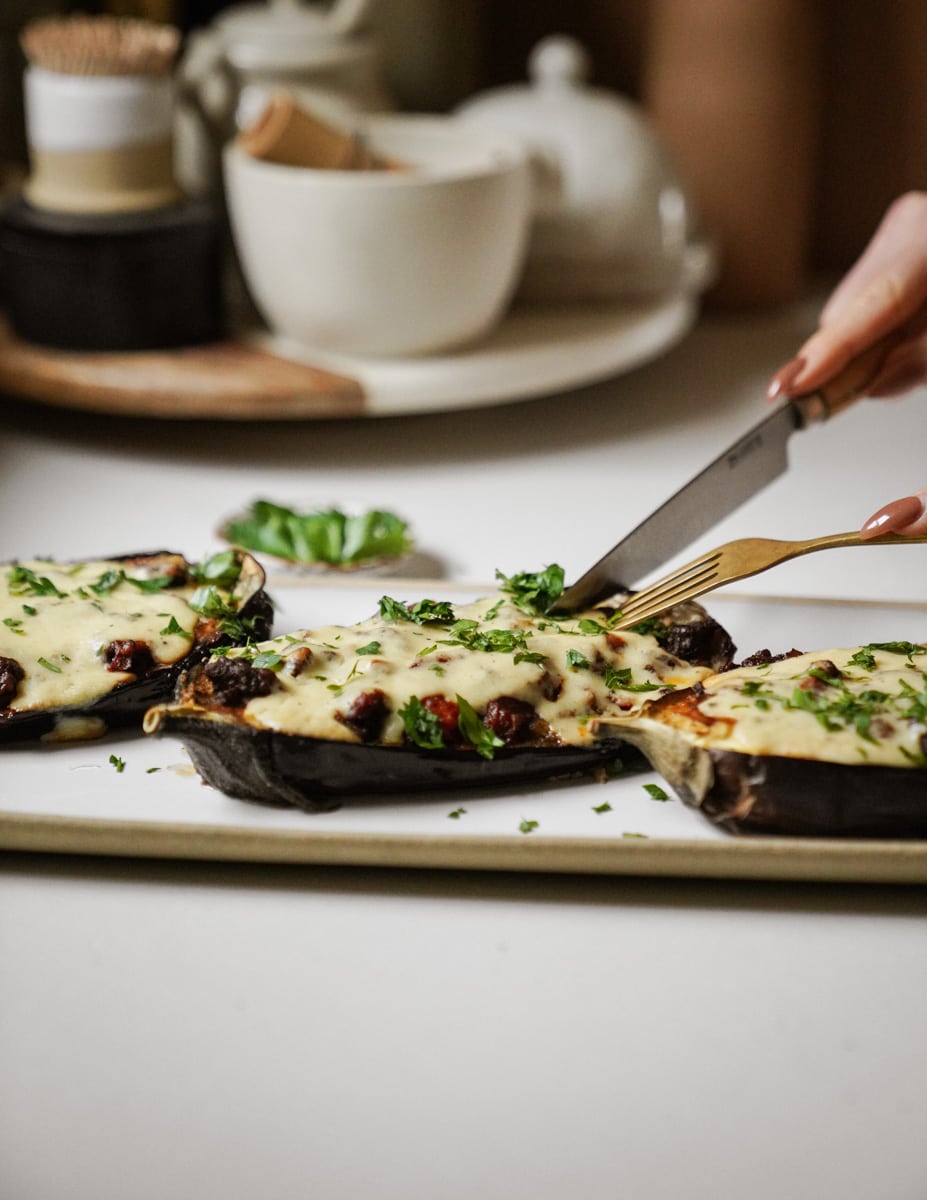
(907, 517)
(884, 295)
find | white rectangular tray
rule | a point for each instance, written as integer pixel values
(72, 799)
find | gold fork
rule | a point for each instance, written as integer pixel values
(730, 562)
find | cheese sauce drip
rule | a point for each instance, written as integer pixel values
(861, 705)
(565, 669)
(56, 621)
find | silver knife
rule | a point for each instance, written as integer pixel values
(743, 469)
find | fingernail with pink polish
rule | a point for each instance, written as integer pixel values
(893, 517)
(784, 378)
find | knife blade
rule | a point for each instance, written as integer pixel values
(754, 460)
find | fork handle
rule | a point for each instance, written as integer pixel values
(853, 538)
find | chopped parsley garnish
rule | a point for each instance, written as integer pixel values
(842, 710)
(917, 702)
(530, 656)
(422, 726)
(456, 813)
(576, 660)
(268, 660)
(157, 583)
(909, 649)
(422, 612)
(15, 624)
(107, 582)
(837, 707)
(321, 536)
(526, 826)
(221, 570)
(649, 628)
(655, 792)
(480, 736)
(208, 602)
(173, 627)
(24, 581)
(535, 593)
(864, 658)
(619, 678)
(370, 648)
(604, 807)
(118, 763)
(49, 666)
(499, 641)
(593, 628)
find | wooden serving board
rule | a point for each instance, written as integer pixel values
(228, 380)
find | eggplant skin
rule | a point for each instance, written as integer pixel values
(777, 795)
(316, 775)
(125, 705)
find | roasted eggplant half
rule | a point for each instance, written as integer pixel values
(830, 744)
(426, 696)
(90, 645)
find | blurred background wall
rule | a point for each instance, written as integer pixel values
(795, 121)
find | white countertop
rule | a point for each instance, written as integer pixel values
(229, 1031)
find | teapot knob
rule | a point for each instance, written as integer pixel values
(558, 61)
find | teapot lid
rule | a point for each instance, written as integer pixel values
(287, 33)
(558, 112)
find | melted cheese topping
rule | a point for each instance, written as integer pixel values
(570, 674)
(57, 626)
(874, 711)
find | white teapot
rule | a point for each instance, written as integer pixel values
(612, 218)
(320, 55)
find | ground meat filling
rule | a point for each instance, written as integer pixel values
(129, 657)
(367, 715)
(231, 682)
(702, 642)
(762, 658)
(11, 676)
(516, 722)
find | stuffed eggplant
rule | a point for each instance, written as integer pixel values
(829, 743)
(428, 695)
(85, 646)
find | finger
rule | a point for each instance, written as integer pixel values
(904, 368)
(887, 304)
(907, 516)
(885, 291)
(901, 235)
(830, 350)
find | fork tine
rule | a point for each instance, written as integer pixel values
(664, 589)
(688, 580)
(661, 604)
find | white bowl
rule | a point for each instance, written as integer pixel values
(385, 263)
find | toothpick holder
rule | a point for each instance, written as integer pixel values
(99, 144)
